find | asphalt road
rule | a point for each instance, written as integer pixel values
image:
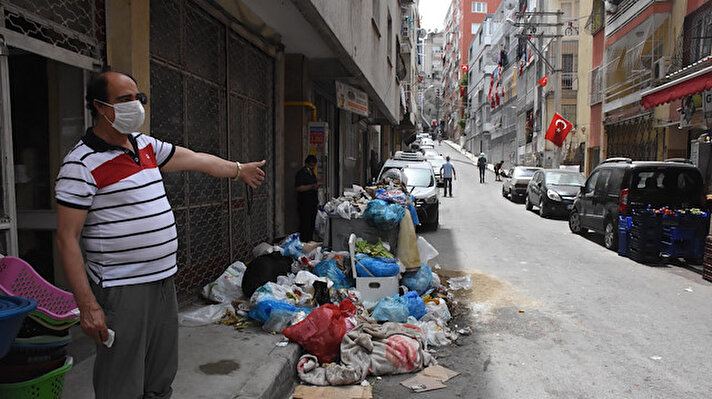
(556, 315)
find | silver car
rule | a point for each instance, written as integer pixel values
(515, 183)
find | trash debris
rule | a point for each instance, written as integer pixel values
(282, 344)
(351, 392)
(367, 266)
(204, 315)
(426, 251)
(421, 383)
(521, 310)
(264, 269)
(320, 333)
(656, 358)
(392, 308)
(418, 281)
(460, 283)
(465, 331)
(228, 286)
(382, 215)
(688, 289)
(439, 373)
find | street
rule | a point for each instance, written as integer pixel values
(556, 315)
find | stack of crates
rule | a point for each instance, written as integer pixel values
(645, 237)
(684, 235)
(707, 264)
(624, 225)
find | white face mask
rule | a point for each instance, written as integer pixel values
(128, 116)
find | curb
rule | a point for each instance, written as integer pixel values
(276, 378)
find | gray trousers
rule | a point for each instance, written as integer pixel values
(144, 358)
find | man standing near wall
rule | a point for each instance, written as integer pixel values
(482, 166)
(307, 198)
(110, 194)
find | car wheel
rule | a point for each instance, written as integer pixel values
(610, 235)
(434, 224)
(542, 209)
(528, 204)
(504, 193)
(575, 223)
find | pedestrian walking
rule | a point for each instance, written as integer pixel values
(307, 198)
(110, 193)
(482, 165)
(447, 170)
(498, 171)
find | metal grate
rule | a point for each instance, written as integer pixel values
(217, 100)
(635, 139)
(75, 25)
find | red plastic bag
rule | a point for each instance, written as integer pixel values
(348, 308)
(320, 333)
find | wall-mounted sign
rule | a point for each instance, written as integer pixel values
(351, 99)
(318, 144)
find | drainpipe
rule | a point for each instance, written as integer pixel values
(302, 104)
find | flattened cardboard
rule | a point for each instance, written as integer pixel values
(348, 392)
(439, 373)
(421, 383)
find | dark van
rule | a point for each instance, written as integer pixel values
(619, 185)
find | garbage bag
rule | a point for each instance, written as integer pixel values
(393, 308)
(460, 283)
(320, 333)
(263, 269)
(426, 251)
(329, 269)
(344, 210)
(413, 214)
(382, 215)
(437, 310)
(279, 319)
(204, 315)
(408, 245)
(292, 246)
(397, 196)
(416, 305)
(262, 310)
(228, 286)
(418, 281)
(290, 294)
(367, 266)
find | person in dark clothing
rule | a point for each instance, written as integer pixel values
(498, 170)
(307, 198)
(482, 166)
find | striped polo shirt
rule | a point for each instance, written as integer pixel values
(129, 236)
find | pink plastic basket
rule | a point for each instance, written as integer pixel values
(18, 278)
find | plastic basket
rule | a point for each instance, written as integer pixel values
(54, 327)
(12, 312)
(18, 278)
(52, 321)
(48, 386)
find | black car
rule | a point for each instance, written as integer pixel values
(516, 180)
(553, 191)
(619, 185)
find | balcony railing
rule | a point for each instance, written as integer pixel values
(569, 81)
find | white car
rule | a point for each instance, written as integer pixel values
(436, 161)
(421, 184)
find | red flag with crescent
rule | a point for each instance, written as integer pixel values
(558, 130)
(543, 81)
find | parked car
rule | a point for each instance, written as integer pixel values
(436, 161)
(619, 185)
(420, 183)
(553, 191)
(514, 186)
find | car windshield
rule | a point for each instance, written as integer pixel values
(565, 179)
(523, 172)
(418, 177)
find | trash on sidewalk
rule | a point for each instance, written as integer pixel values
(350, 392)
(228, 286)
(429, 379)
(460, 283)
(204, 315)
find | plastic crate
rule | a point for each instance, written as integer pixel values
(683, 249)
(12, 312)
(48, 386)
(644, 256)
(18, 278)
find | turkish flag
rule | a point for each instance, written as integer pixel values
(543, 80)
(558, 130)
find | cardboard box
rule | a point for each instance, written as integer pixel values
(371, 288)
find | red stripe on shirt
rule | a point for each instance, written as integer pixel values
(123, 166)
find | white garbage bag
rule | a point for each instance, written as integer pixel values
(228, 286)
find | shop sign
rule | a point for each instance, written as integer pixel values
(351, 99)
(318, 142)
(707, 105)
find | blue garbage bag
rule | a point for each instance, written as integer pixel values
(416, 305)
(292, 246)
(329, 269)
(367, 266)
(413, 214)
(418, 281)
(382, 215)
(393, 308)
(263, 309)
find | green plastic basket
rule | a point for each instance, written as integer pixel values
(48, 386)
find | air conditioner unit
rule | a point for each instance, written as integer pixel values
(660, 67)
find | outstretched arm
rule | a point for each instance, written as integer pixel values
(185, 159)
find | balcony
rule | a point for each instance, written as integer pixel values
(569, 81)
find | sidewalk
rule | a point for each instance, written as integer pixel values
(472, 157)
(214, 361)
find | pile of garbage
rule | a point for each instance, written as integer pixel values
(325, 301)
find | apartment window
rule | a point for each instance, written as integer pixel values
(479, 7)
(567, 8)
(390, 35)
(473, 28)
(480, 65)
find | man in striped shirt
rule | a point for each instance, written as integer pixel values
(110, 195)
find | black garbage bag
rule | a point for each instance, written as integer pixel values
(264, 269)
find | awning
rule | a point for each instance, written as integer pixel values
(685, 86)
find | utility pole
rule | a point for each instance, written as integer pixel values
(557, 88)
(437, 109)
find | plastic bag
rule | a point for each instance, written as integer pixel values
(320, 333)
(329, 269)
(426, 251)
(204, 315)
(416, 305)
(437, 310)
(344, 210)
(418, 281)
(262, 310)
(435, 333)
(287, 293)
(367, 266)
(392, 308)
(397, 196)
(305, 280)
(320, 223)
(265, 249)
(460, 283)
(264, 269)
(382, 215)
(228, 286)
(408, 245)
(292, 246)
(413, 214)
(279, 319)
